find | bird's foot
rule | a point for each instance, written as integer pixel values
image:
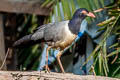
(47, 69)
(63, 72)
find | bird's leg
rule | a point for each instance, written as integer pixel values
(46, 66)
(59, 61)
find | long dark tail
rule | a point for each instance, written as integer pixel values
(23, 41)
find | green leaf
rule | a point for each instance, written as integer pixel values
(106, 21)
(100, 62)
(114, 45)
(114, 52)
(92, 54)
(116, 71)
(105, 58)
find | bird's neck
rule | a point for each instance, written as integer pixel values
(75, 24)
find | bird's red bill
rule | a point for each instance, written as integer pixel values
(91, 15)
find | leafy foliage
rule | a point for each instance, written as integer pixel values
(106, 62)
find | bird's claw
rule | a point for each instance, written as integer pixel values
(47, 69)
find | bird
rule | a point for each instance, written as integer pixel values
(57, 35)
(52, 56)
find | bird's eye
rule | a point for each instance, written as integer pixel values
(84, 12)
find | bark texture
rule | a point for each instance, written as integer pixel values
(35, 75)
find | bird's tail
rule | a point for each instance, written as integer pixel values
(22, 41)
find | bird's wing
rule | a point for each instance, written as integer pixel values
(43, 26)
(50, 32)
(39, 32)
(56, 31)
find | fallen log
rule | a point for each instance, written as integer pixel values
(36, 75)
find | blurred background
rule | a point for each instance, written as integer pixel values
(96, 52)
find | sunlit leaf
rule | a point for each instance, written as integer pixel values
(106, 21)
(114, 45)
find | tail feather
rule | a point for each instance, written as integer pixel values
(22, 41)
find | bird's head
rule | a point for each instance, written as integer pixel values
(79, 15)
(82, 13)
